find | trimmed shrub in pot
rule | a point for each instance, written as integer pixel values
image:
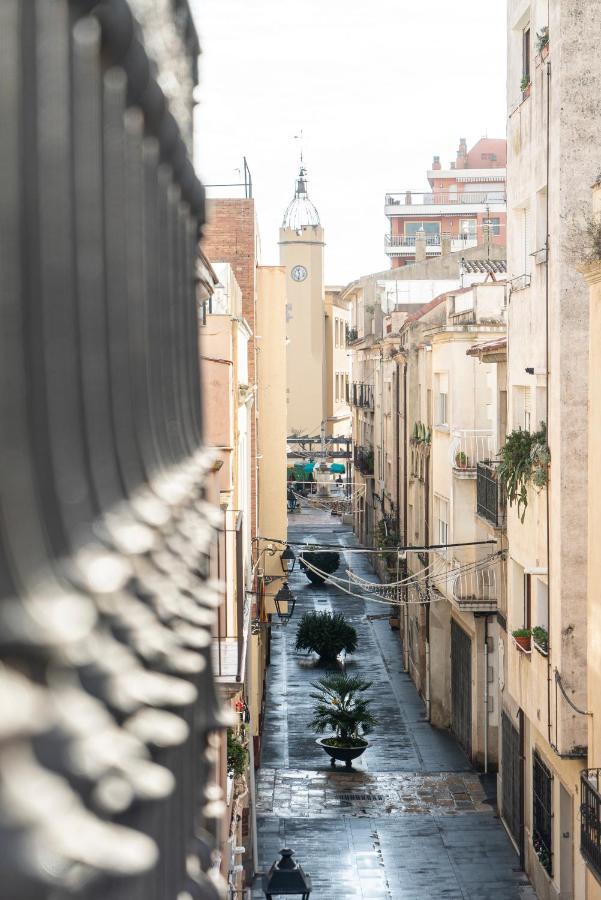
(326, 561)
(326, 634)
(341, 708)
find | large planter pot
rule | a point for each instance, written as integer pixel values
(344, 754)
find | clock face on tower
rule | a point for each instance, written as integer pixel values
(299, 273)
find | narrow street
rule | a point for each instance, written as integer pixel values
(412, 819)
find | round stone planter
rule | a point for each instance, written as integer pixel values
(343, 754)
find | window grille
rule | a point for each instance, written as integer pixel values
(590, 819)
(542, 818)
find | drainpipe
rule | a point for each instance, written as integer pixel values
(547, 417)
(251, 774)
(485, 695)
(405, 512)
(427, 698)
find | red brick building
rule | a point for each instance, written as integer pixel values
(465, 206)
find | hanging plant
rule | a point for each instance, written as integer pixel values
(525, 461)
(542, 38)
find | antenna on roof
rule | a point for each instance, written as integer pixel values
(299, 137)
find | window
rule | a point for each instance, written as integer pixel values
(494, 225)
(542, 781)
(467, 228)
(411, 228)
(522, 407)
(441, 514)
(490, 156)
(442, 395)
(526, 53)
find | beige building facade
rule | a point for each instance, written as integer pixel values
(553, 136)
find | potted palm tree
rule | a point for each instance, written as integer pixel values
(341, 708)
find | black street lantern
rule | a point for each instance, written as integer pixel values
(284, 595)
(288, 556)
(286, 877)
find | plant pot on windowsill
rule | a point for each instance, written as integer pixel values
(523, 639)
(540, 638)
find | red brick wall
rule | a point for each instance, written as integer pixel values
(231, 237)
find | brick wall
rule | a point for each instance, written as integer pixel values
(231, 236)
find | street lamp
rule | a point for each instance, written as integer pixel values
(286, 877)
(284, 595)
(288, 556)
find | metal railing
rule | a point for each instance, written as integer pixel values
(491, 501)
(351, 334)
(469, 447)
(590, 819)
(479, 590)
(542, 816)
(361, 394)
(363, 459)
(107, 540)
(445, 198)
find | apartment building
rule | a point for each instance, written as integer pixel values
(378, 305)
(464, 206)
(227, 404)
(448, 419)
(553, 137)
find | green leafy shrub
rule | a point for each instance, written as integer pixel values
(325, 560)
(522, 633)
(236, 754)
(541, 637)
(341, 708)
(525, 461)
(326, 634)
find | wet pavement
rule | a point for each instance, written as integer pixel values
(412, 819)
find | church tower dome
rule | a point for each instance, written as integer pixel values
(300, 212)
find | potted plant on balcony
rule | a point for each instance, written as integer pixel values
(341, 708)
(236, 754)
(525, 86)
(522, 637)
(461, 460)
(326, 634)
(540, 636)
(542, 42)
(326, 561)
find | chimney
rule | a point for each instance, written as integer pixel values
(445, 244)
(462, 154)
(420, 245)
(436, 163)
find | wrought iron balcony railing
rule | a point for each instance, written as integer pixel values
(364, 460)
(468, 447)
(361, 395)
(590, 819)
(491, 502)
(351, 335)
(107, 697)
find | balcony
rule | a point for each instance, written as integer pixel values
(590, 819)
(468, 447)
(364, 460)
(361, 395)
(491, 502)
(479, 590)
(404, 245)
(351, 335)
(413, 203)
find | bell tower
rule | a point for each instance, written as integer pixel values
(301, 253)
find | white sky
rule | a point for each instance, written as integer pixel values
(377, 88)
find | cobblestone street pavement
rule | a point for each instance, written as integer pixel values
(412, 820)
